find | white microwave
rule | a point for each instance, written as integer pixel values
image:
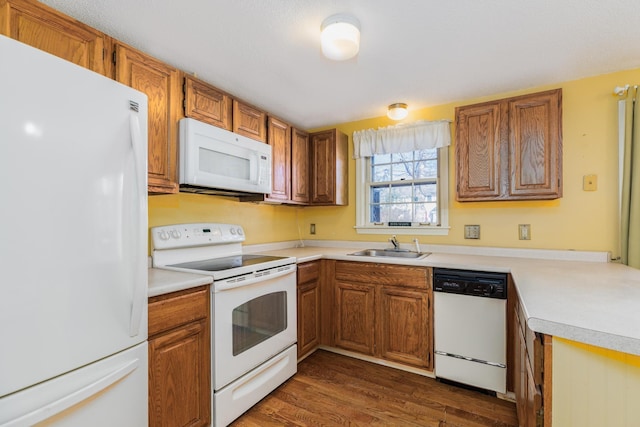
(216, 161)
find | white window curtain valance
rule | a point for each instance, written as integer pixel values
(402, 138)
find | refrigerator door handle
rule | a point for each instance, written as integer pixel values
(50, 409)
(140, 285)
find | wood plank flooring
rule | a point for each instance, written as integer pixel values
(334, 390)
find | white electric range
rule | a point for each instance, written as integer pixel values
(253, 310)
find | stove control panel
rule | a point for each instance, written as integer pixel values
(200, 234)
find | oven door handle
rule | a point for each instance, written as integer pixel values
(250, 279)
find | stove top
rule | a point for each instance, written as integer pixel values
(208, 248)
(226, 263)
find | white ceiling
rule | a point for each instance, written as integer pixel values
(422, 52)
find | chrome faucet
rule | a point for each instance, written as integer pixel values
(394, 242)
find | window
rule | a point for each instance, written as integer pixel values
(403, 193)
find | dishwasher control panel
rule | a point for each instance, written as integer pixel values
(473, 283)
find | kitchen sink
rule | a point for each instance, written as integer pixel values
(391, 253)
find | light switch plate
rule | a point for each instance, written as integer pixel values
(471, 231)
(590, 182)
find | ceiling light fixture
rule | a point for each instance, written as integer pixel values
(340, 37)
(397, 111)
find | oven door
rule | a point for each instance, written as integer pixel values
(251, 324)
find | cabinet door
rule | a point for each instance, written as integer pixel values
(308, 317)
(535, 146)
(520, 374)
(299, 166)
(162, 86)
(478, 145)
(280, 141)
(329, 170)
(206, 103)
(180, 358)
(178, 377)
(249, 121)
(355, 317)
(44, 28)
(404, 326)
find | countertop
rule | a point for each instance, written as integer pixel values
(165, 281)
(596, 303)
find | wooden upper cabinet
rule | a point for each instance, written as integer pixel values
(280, 141)
(42, 27)
(249, 121)
(299, 166)
(535, 145)
(329, 168)
(206, 103)
(510, 149)
(161, 84)
(478, 150)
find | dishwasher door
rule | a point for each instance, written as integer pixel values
(470, 340)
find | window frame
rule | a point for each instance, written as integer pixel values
(363, 168)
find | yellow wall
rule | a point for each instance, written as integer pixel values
(594, 387)
(262, 223)
(580, 220)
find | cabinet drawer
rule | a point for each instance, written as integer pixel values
(308, 271)
(383, 274)
(177, 308)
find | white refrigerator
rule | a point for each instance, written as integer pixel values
(73, 245)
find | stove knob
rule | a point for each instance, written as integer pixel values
(163, 235)
(240, 233)
(233, 231)
(175, 234)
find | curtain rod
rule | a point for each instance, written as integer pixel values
(622, 90)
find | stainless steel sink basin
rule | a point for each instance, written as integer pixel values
(391, 253)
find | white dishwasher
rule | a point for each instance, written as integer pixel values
(470, 314)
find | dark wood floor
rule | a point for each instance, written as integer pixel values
(331, 389)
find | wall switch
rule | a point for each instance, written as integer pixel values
(471, 231)
(524, 231)
(590, 182)
(312, 229)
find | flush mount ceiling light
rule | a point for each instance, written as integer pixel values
(340, 37)
(397, 111)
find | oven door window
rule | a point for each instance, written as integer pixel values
(258, 320)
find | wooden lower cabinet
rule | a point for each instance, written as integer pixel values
(405, 331)
(384, 310)
(532, 372)
(308, 307)
(355, 317)
(180, 359)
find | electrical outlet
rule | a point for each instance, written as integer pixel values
(471, 231)
(312, 229)
(524, 231)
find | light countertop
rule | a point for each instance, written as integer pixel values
(166, 281)
(596, 303)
